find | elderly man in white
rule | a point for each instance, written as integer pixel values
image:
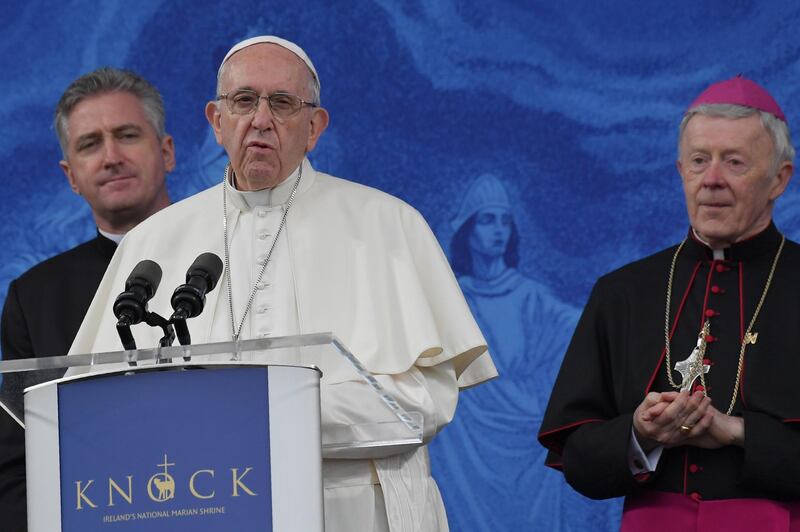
(307, 252)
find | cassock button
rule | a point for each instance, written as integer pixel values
(262, 285)
(710, 339)
(261, 213)
(696, 496)
(693, 468)
(716, 289)
(261, 259)
(697, 388)
(710, 313)
(721, 268)
(263, 235)
(707, 362)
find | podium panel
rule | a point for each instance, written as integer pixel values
(398, 429)
(206, 447)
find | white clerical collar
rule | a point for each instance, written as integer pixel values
(112, 236)
(277, 195)
(719, 254)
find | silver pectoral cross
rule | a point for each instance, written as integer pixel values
(691, 368)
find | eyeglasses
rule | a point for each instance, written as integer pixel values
(282, 104)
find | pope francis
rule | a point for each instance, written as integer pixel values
(307, 252)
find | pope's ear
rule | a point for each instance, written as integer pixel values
(213, 116)
(67, 169)
(319, 121)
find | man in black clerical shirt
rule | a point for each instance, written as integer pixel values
(110, 125)
(679, 388)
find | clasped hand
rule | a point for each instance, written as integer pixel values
(670, 419)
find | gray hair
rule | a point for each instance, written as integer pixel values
(313, 82)
(102, 81)
(783, 151)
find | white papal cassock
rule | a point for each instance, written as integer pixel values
(351, 260)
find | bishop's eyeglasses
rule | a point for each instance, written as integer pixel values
(282, 104)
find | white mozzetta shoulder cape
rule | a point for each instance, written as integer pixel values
(367, 268)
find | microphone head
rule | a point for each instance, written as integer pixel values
(189, 299)
(131, 305)
(146, 274)
(207, 265)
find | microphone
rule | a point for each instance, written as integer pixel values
(188, 299)
(130, 307)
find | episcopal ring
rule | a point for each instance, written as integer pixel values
(685, 429)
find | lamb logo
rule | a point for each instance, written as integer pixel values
(163, 483)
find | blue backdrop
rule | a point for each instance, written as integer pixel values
(566, 111)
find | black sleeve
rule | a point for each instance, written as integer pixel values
(13, 505)
(14, 333)
(584, 426)
(596, 459)
(16, 343)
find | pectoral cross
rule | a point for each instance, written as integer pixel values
(691, 368)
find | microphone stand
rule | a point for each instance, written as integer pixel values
(182, 330)
(124, 332)
(153, 320)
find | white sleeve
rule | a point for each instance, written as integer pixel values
(351, 405)
(638, 461)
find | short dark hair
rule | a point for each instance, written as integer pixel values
(105, 80)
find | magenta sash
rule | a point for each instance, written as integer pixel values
(667, 512)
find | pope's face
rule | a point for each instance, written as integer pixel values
(116, 161)
(725, 167)
(491, 232)
(262, 149)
